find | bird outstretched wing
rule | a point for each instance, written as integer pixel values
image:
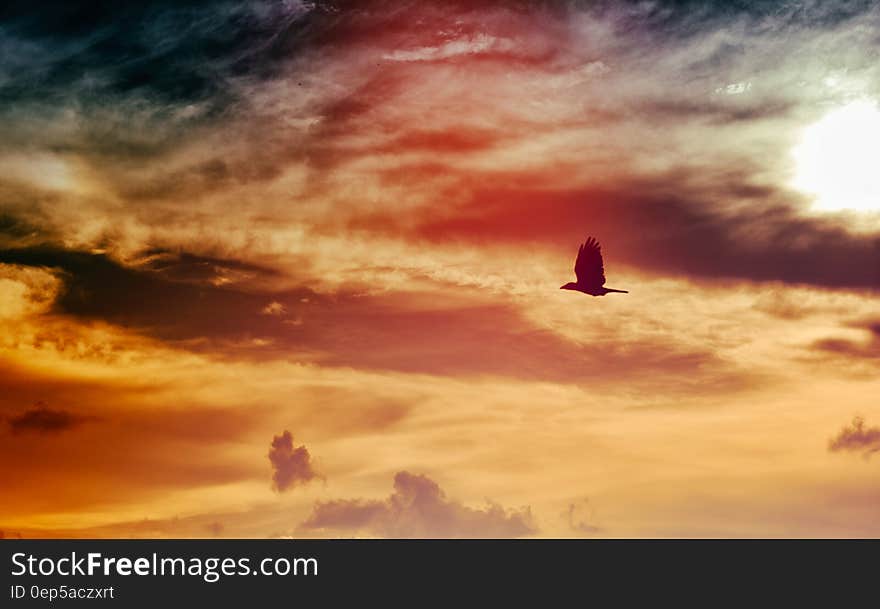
(588, 267)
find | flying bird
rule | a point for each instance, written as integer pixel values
(590, 271)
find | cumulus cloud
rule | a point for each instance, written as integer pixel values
(291, 465)
(858, 438)
(418, 508)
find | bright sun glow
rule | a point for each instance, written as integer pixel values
(837, 159)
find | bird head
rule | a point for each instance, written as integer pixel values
(569, 286)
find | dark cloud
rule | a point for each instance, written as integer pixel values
(187, 267)
(14, 228)
(848, 348)
(716, 111)
(172, 298)
(186, 53)
(170, 51)
(856, 438)
(24, 219)
(156, 59)
(667, 226)
(867, 350)
(123, 82)
(418, 508)
(42, 419)
(291, 465)
(142, 75)
(683, 18)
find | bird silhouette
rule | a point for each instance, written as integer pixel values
(590, 271)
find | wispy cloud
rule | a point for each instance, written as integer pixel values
(44, 420)
(856, 437)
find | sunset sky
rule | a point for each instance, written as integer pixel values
(282, 268)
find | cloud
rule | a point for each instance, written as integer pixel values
(864, 350)
(754, 232)
(148, 73)
(187, 267)
(171, 296)
(580, 516)
(480, 43)
(393, 117)
(274, 308)
(856, 438)
(178, 298)
(291, 466)
(418, 508)
(42, 419)
(729, 199)
(418, 172)
(781, 305)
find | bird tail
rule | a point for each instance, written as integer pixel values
(619, 291)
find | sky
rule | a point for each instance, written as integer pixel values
(275, 268)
